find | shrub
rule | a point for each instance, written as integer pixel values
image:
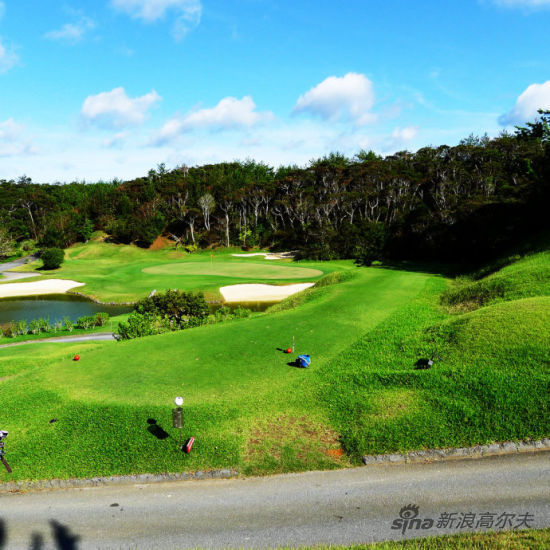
(44, 325)
(69, 325)
(371, 243)
(19, 327)
(27, 245)
(34, 326)
(141, 324)
(241, 313)
(100, 319)
(190, 248)
(176, 306)
(52, 258)
(86, 322)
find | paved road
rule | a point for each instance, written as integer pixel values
(9, 276)
(338, 507)
(94, 337)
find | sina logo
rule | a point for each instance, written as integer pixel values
(408, 519)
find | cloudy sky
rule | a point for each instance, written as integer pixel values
(97, 89)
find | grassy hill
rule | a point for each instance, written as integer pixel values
(249, 409)
(520, 277)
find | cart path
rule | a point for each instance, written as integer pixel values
(337, 507)
(95, 337)
(13, 276)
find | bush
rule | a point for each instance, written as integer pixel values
(68, 324)
(181, 309)
(141, 324)
(86, 322)
(241, 313)
(34, 326)
(19, 327)
(100, 319)
(52, 258)
(44, 325)
(28, 245)
(371, 243)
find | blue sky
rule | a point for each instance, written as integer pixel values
(110, 88)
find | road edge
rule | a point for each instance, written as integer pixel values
(478, 451)
(411, 457)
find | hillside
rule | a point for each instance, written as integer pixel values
(250, 409)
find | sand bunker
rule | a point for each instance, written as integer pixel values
(260, 293)
(269, 255)
(48, 286)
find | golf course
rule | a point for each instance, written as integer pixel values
(366, 328)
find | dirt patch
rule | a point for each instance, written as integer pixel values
(160, 243)
(305, 437)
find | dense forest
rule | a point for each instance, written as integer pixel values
(463, 203)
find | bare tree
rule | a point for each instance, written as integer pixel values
(206, 203)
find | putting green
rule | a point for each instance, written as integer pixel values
(236, 269)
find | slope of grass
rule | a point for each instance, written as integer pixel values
(250, 409)
(518, 278)
(236, 382)
(122, 273)
(490, 381)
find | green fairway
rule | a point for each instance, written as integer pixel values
(250, 409)
(122, 273)
(235, 268)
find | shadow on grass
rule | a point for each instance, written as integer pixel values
(431, 268)
(296, 365)
(156, 430)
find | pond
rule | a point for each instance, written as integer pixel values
(55, 307)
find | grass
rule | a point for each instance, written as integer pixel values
(519, 277)
(122, 273)
(528, 539)
(250, 410)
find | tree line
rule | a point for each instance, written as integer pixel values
(463, 202)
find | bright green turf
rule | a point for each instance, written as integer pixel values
(249, 410)
(525, 277)
(234, 380)
(121, 273)
(236, 269)
(525, 539)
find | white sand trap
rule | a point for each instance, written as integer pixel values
(260, 293)
(48, 286)
(269, 255)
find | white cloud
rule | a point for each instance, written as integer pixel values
(115, 141)
(228, 114)
(115, 109)
(187, 13)
(12, 140)
(8, 58)
(349, 97)
(71, 32)
(405, 134)
(535, 97)
(522, 3)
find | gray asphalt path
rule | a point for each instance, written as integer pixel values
(8, 276)
(338, 507)
(94, 337)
